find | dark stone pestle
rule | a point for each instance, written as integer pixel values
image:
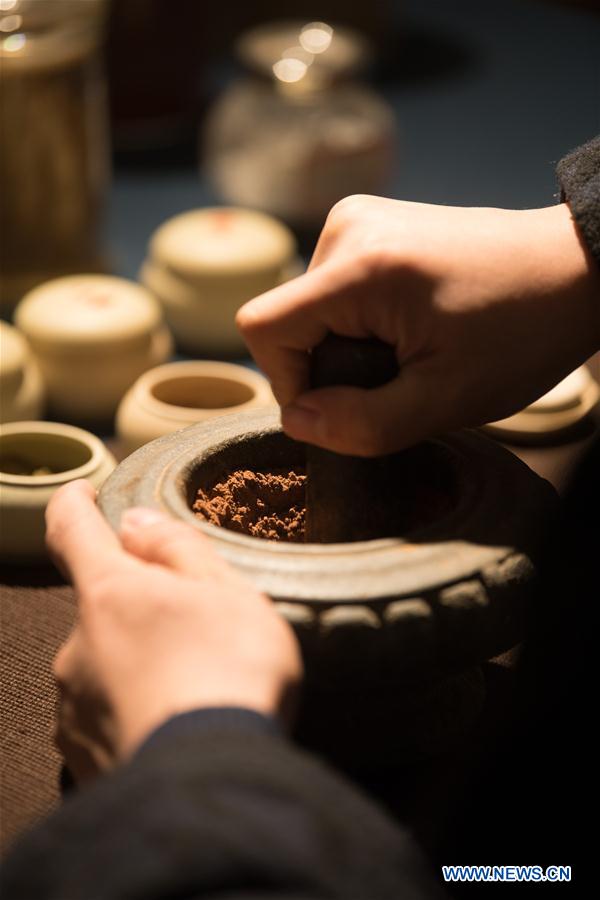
(348, 497)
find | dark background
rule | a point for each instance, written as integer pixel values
(488, 94)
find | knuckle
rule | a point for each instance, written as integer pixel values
(350, 205)
(377, 260)
(245, 319)
(253, 320)
(346, 210)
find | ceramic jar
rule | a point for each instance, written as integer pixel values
(36, 458)
(21, 388)
(55, 160)
(204, 264)
(92, 336)
(183, 393)
(298, 132)
(556, 412)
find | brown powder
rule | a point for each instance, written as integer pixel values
(270, 505)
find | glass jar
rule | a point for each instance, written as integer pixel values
(298, 133)
(54, 159)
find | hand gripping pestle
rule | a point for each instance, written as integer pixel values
(346, 497)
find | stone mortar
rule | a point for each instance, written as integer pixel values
(397, 622)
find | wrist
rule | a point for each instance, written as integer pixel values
(568, 277)
(575, 270)
(138, 714)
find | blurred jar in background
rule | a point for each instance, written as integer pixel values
(54, 150)
(298, 133)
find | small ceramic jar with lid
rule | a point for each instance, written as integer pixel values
(21, 388)
(92, 336)
(204, 264)
(183, 393)
(36, 458)
(299, 130)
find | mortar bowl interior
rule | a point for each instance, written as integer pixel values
(425, 484)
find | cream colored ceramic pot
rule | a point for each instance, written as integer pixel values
(92, 336)
(183, 393)
(204, 264)
(21, 388)
(36, 458)
(559, 410)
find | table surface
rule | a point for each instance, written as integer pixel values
(514, 87)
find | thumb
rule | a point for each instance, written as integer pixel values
(363, 422)
(158, 538)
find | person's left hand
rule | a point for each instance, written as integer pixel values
(165, 626)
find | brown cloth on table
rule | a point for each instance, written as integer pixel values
(34, 621)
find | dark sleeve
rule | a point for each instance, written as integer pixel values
(579, 180)
(217, 805)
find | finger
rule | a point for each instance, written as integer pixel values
(65, 660)
(78, 536)
(70, 736)
(368, 422)
(85, 757)
(283, 325)
(157, 538)
(279, 336)
(75, 748)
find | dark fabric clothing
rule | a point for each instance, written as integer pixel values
(209, 812)
(530, 797)
(528, 792)
(579, 179)
(223, 718)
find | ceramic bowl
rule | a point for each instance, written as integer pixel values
(21, 387)
(179, 394)
(92, 336)
(204, 264)
(36, 458)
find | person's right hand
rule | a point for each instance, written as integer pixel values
(486, 308)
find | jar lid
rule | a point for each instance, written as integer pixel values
(222, 242)
(328, 53)
(87, 310)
